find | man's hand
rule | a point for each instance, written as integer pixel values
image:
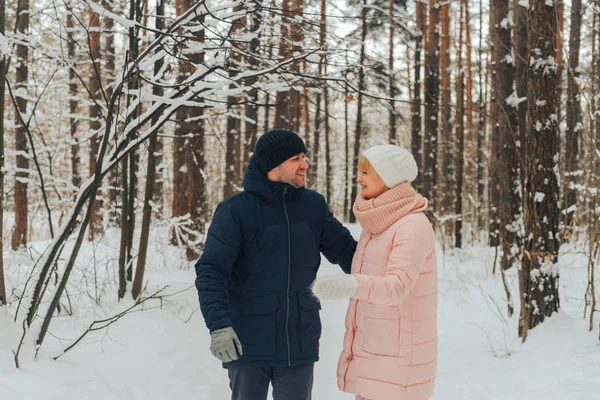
(335, 287)
(223, 343)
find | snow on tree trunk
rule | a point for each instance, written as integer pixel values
(539, 273)
(432, 87)
(95, 112)
(19, 233)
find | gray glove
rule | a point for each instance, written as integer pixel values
(223, 343)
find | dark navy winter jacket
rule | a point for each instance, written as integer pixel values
(261, 254)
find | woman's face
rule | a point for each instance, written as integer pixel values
(371, 183)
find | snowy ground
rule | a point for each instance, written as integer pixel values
(162, 351)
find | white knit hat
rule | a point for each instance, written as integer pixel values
(394, 164)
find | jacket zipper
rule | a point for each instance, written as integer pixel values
(287, 320)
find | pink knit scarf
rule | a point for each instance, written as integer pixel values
(378, 214)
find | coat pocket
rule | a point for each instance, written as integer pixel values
(254, 323)
(309, 323)
(381, 330)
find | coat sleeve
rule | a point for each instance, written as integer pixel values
(214, 267)
(412, 245)
(337, 244)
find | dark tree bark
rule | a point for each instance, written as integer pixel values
(288, 108)
(140, 269)
(73, 106)
(109, 76)
(448, 184)
(539, 275)
(348, 185)
(95, 113)
(234, 131)
(19, 233)
(520, 39)
(323, 71)
(432, 84)
(197, 203)
(481, 133)
(251, 124)
(2, 76)
(574, 120)
(416, 142)
(359, 110)
(460, 133)
(391, 82)
(182, 128)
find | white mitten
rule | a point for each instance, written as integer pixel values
(335, 287)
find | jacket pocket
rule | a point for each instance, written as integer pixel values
(381, 330)
(309, 324)
(255, 324)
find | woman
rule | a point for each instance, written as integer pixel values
(390, 345)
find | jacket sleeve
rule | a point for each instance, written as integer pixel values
(214, 267)
(337, 244)
(412, 245)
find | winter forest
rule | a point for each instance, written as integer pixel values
(125, 122)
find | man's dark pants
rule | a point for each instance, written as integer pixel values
(289, 383)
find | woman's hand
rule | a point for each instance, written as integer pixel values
(335, 287)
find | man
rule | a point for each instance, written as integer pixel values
(261, 254)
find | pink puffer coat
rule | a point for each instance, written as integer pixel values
(390, 345)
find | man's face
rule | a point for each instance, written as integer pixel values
(291, 171)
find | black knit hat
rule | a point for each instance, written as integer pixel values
(276, 146)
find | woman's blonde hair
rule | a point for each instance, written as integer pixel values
(364, 164)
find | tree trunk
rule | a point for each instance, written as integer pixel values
(251, 124)
(270, 53)
(521, 58)
(288, 108)
(109, 74)
(432, 83)
(129, 164)
(323, 72)
(328, 167)
(19, 233)
(232, 148)
(469, 173)
(391, 82)
(460, 131)
(95, 113)
(416, 101)
(233, 132)
(505, 131)
(182, 128)
(574, 120)
(539, 274)
(481, 135)
(2, 76)
(123, 257)
(361, 86)
(447, 185)
(348, 184)
(140, 269)
(73, 106)
(313, 172)
(198, 202)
